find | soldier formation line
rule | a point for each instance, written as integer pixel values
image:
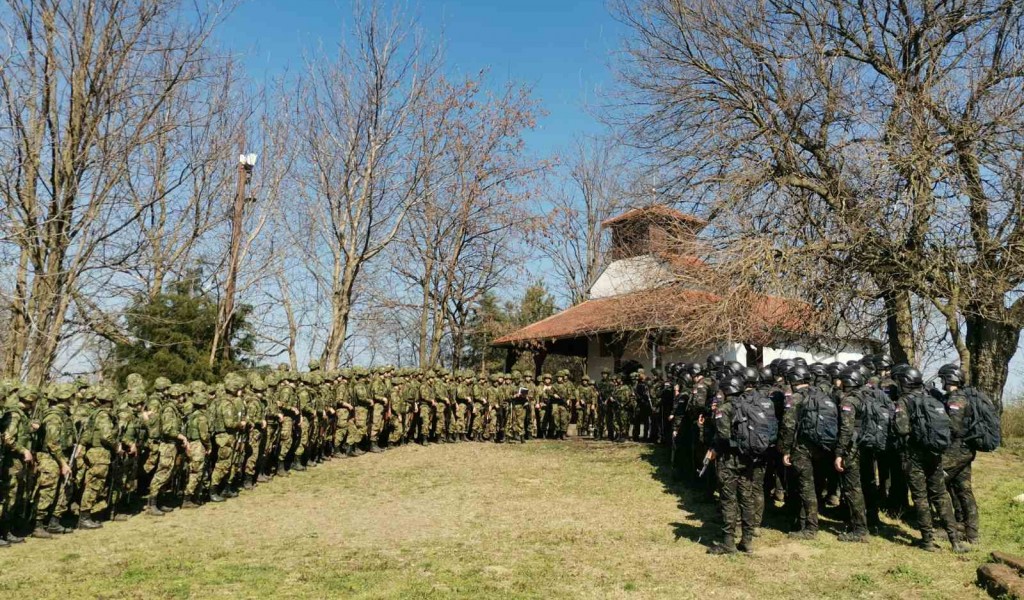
(862, 434)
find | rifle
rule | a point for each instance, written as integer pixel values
(704, 466)
(115, 470)
(79, 428)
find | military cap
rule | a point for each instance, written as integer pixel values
(314, 365)
(200, 399)
(103, 393)
(256, 382)
(134, 381)
(177, 390)
(161, 384)
(62, 391)
(28, 393)
(233, 383)
(197, 386)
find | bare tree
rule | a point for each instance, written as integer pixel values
(881, 139)
(360, 166)
(466, 232)
(86, 85)
(571, 238)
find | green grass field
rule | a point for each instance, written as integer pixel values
(574, 519)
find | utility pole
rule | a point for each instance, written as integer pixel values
(245, 165)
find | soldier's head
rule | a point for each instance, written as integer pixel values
(715, 362)
(28, 395)
(135, 382)
(606, 373)
(160, 384)
(177, 392)
(546, 378)
(799, 377)
(257, 384)
(586, 380)
(732, 385)
(851, 378)
(234, 384)
(952, 377)
(104, 394)
(882, 364)
(314, 365)
(61, 394)
(908, 378)
(765, 376)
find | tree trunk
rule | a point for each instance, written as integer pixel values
(992, 344)
(899, 326)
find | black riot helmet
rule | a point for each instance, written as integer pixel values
(799, 374)
(734, 367)
(800, 361)
(715, 362)
(817, 369)
(833, 370)
(852, 363)
(851, 378)
(865, 372)
(686, 379)
(909, 378)
(951, 374)
(766, 375)
(774, 366)
(696, 369)
(732, 385)
(882, 362)
(750, 376)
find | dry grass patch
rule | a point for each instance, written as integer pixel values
(579, 519)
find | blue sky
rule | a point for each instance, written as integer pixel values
(561, 48)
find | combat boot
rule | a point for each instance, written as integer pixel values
(54, 526)
(4, 543)
(215, 497)
(247, 484)
(803, 534)
(88, 522)
(152, 509)
(41, 532)
(189, 503)
(354, 451)
(298, 466)
(262, 478)
(376, 449)
(958, 547)
(728, 546)
(746, 544)
(928, 543)
(281, 470)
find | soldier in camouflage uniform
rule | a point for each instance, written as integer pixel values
(802, 454)
(847, 461)
(363, 402)
(257, 417)
(55, 439)
(102, 443)
(426, 409)
(957, 459)
(287, 400)
(200, 445)
(171, 440)
(18, 459)
(923, 466)
(225, 423)
(151, 421)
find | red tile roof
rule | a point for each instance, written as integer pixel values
(659, 210)
(666, 307)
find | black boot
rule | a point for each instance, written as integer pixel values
(281, 470)
(215, 497)
(746, 544)
(376, 449)
(88, 522)
(152, 509)
(728, 546)
(298, 466)
(41, 531)
(54, 526)
(189, 503)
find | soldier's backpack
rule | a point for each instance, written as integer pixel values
(982, 431)
(929, 423)
(819, 420)
(876, 425)
(755, 428)
(216, 416)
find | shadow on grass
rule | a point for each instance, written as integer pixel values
(695, 497)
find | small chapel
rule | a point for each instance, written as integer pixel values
(634, 307)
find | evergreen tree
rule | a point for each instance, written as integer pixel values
(172, 334)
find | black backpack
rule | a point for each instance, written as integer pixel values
(876, 424)
(982, 431)
(929, 423)
(819, 419)
(755, 428)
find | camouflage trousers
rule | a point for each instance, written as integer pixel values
(559, 419)
(97, 470)
(515, 427)
(12, 485)
(395, 428)
(928, 491)
(374, 422)
(460, 419)
(253, 452)
(196, 467)
(736, 502)
(956, 462)
(357, 425)
(852, 485)
(168, 454)
(422, 422)
(51, 501)
(287, 437)
(223, 447)
(806, 461)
